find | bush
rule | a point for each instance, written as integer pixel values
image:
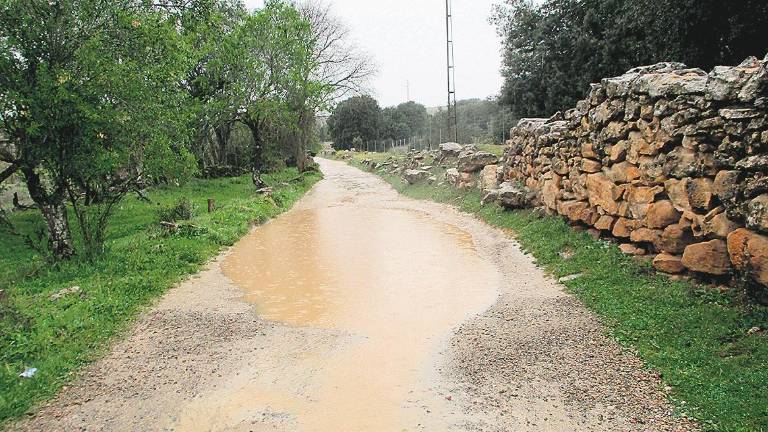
(182, 210)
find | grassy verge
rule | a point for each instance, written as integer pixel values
(59, 336)
(696, 337)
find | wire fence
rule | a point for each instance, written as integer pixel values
(399, 145)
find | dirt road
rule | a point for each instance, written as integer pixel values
(362, 310)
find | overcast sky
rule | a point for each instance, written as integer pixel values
(407, 40)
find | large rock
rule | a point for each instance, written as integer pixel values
(708, 257)
(452, 177)
(675, 239)
(640, 199)
(466, 180)
(573, 210)
(622, 172)
(700, 193)
(713, 224)
(604, 193)
(475, 161)
(646, 235)
(512, 195)
(757, 214)
(605, 223)
(489, 178)
(743, 81)
(661, 214)
(678, 193)
(550, 192)
(749, 253)
(413, 176)
(671, 83)
(624, 227)
(667, 263)
(450, 149)
(726, 184)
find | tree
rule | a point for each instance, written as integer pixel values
(415, 116)
(335, 68)
(92, 106)
(393, 124)
(358, 117)
(264, 58)
(205, 31)
(554, 49)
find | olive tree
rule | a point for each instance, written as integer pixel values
(91, 106)
(263, 60)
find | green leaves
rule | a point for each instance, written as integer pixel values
(554, 49)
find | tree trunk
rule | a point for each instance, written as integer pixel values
(58, 227)
(303, 142)
(222, 137)
(257, 155)
(54, 212)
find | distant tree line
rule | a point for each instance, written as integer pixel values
(360, 120)
(554, 49)
(100, 98)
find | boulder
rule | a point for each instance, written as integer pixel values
(475, 161)
(573, 210)
(618, 152)
(714, 224)
(604, 193)
(489, 178)
(753, 163)
(726, 82)
(646, 235)
(413, 176)
(630, 249)
(465, 180)
(640, 198)
(550, 192)
(623, 227)
(667, 263)
(708, 257)
(450, 149)
(677, 190)
(512, 195)
(700, 193)
(605, 223)
(671, 83)
(622, 172)
(452, 177)
(675, 239)
(749, 253)
(661, 214)
(590, 166)
(725, 185)
(757, 214)
(588, 150)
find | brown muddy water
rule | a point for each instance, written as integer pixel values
(394, 282)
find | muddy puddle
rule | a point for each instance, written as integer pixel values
(392, 283)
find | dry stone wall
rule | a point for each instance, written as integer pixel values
(672, 160)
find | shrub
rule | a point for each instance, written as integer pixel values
(183, 209)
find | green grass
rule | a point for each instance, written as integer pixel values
(695, 336)
(141, 262)
(496, 149)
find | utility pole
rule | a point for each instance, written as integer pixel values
(407, 91)
(453, 130)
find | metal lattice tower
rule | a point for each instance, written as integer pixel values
(453, 128)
